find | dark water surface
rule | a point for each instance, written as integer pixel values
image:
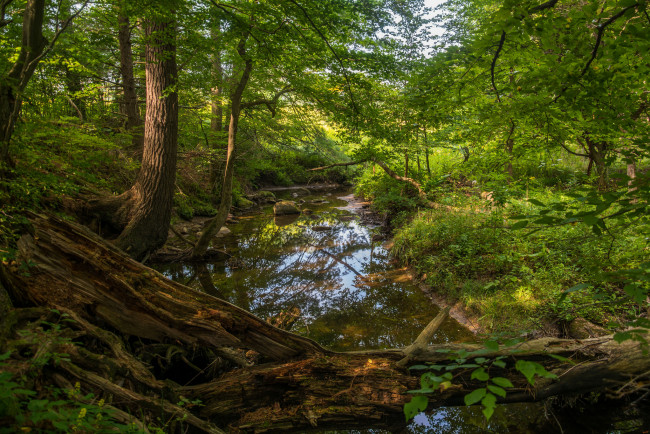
(344, 292)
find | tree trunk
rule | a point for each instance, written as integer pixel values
(426, 151)
(143, 213)
(598, 155)
(216, 121)
(306, 388)
(13, 84)
(212, 228)
(129, 105)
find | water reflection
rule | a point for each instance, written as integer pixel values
(348, 293)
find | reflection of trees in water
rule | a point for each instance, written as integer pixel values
(277, 268)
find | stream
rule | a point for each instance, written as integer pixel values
(323, 274)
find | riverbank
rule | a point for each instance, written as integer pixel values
(510, 282)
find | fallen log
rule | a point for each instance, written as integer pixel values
(70, 267)
(119, 305)
(390, 172)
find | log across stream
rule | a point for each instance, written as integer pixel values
(148, 340)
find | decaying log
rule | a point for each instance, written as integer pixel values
(61, 265)
(73, 268)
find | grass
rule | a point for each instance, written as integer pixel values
(514, 280)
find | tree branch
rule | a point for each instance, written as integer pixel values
(3, 9)
(599, 36)
(269, 103)
(494, 62)
(351, 163)
(573, 152)
(56, 36)
(347, 79)
(548, 5)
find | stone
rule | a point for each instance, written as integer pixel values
(285, 207)
(307, 211)
(223, 232)
(244, 203)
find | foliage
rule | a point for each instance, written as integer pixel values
(480, 370)
(477, 257)
(26, 405)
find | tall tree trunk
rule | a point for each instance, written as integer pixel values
(75, 87)
(13, 84)
(417, 151)
(426, 151)
(216, 122)
(142, 214)
(219, 220)
(129, 105)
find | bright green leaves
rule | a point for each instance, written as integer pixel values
(475, 396)
(417, 405)
(530, 369)
(502, 382)
(489, 403)
(480, 375)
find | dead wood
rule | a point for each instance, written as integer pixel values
(117, 304)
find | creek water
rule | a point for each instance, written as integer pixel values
(324, 273)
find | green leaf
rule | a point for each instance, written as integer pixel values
(480, 374)
(520, 225)
(536, 202)
(488, 412)
(501, 381)
(419, 367)
(491, 345)
(499, 364)
(572, 289)
(475, 396)
(489, 404)
(527, 368)
(417, 405)
(562, 359)
(497, 390)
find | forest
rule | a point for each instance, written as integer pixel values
(356, 216)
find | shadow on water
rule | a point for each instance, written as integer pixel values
(346, 294)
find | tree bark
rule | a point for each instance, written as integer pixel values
(306, 388)
(15, 81)
(145, 210)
